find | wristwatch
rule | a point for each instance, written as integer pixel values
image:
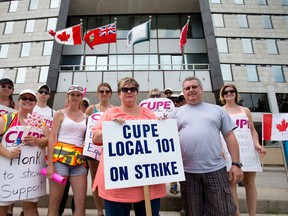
(238, 164)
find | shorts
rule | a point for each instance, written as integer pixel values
(7, 203)
(67, 170)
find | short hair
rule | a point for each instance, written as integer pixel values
(154, 90)
(127, 80)
(221, 98)
(104, 84)
(190, 78)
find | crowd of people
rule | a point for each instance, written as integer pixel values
(210, 186)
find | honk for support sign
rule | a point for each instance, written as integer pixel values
(141, 152)
(20, 178)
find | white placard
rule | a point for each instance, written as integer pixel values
(248, 155)
(20, 178)
(90, 149)
(159, 106)
(141, 152)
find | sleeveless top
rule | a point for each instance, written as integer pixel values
(72, 132)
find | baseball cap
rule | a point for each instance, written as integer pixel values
(7, 81)
(44, 86)
(28, 91)
(87, 100)
(168, 90)
(75, 88)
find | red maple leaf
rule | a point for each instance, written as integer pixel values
(63, 36)
(283, 126)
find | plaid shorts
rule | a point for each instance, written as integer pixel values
(208, 194)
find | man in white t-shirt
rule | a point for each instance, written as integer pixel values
(43, 94)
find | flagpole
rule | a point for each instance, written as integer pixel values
(182, 51)
(115, 20)
(150, 19)
(84, 54)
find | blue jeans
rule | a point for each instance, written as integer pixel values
(123, 209)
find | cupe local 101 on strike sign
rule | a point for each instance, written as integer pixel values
(141, 152)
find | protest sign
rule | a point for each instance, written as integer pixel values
(141, 152)
(20, 178)
(248, 155)
(159, 106)
(5, 109)
(90, 149)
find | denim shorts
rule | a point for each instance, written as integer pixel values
(3, 203)
(67, 170)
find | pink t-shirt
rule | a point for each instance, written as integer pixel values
(132, 194)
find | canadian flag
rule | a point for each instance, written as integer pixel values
(275, 127)
(68, 36)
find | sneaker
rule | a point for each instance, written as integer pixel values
(173, 188)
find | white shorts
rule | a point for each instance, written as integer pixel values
(7, 203)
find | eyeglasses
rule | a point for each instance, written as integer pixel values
(79, 88)
(6, 86)
(191, 87)
(132, 90)
(230, 91)
(43, 92)
(106, 91)
(27, 99)
(155, 96)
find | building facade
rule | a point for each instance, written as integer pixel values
(244, 42)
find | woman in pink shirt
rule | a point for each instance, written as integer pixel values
(119, 201)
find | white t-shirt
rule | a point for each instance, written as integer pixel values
(46, 112)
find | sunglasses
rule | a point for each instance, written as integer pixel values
(27, 99)
(230, 91)
(191, 87)
(106, 91)
(43, 92)
(79, 88)
(166, 93)
(155, 96)
(132, 90)
(7, 86)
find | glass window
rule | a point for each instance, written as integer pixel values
(90, 62)
(1, 73)
(125, 62)
(25, 49)
(242, 20)
(239, 2)
(282, 101)
(165, 62)
(266, 20)
(286, 20)
(33, 5)
(102, 62)
(176, 62)
(13, 6)
(278, 74)
(21, 74)
(256, 102)
(272, 47)
(43, 74)
(226, 72)
(284, 2)
(222, 45)
(196, 30)
(8, 28)
(54, 3)
(48, 46)
(124, 25)
(139, 19)
(216, 1)
(262, 2)
(218, 20)
(141, 62)
(247, 46)
(29, 26)
(168, 26)
(51, 24)
(252, 73)
(71, 62)
(4, 50)
(196, 61)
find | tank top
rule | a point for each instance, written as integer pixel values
(72, 132)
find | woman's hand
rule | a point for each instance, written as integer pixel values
(14, 153)
(165, 116)
(49, 171)
(30, 140)
(261, 150)
(119, 120)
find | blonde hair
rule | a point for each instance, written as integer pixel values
(127, 80)
(222, 90)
